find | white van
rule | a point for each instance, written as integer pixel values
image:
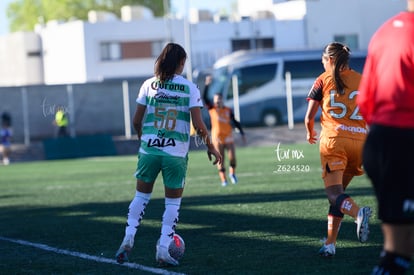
(260, 76)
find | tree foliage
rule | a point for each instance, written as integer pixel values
(23, 15)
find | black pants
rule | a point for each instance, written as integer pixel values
(388, 159)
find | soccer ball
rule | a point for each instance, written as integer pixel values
(176, 247)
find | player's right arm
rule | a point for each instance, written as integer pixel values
(138, 118)
(311, 134)
(314, 98)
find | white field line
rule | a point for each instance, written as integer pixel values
(90, 257)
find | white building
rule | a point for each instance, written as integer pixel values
(21, 59)
(106, 47)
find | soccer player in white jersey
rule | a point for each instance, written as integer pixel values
(165, 104)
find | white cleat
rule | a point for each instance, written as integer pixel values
(327, 250)
(163, 257)
(233, 178)
(125, 249)
(362, 222)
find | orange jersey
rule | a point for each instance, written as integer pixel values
(221, 127)
(340, 113)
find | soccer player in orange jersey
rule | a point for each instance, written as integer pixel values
(341, 140)
(222, 120)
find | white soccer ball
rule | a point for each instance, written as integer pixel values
(176, 247)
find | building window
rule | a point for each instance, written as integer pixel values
(303, 68)
(110, 51)
(351, 40)
(265, 43)
(130, 50)
(252, 78)
(240, 44)
(34, 54)
(248, 44)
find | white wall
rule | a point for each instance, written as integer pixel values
(64, 53)
(73, 49)
(20, 59)
(119, 31)
(327, 18)
(246, 7)
(290, 35)
(211, 40)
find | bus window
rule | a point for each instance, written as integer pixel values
(357, 63)
(218, 83)
(303, 68)
(252, 78)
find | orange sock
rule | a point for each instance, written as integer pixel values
(349, 207)
(334, 224)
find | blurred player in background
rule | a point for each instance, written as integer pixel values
(62, 122)
(222, 120)
(6, 134)
(386, 101)
(165, 104)
(341, 140)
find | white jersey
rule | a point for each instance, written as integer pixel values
(166, 128)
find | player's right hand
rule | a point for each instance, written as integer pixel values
(217, 157)
(312, 138)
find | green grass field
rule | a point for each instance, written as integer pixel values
(270, 223)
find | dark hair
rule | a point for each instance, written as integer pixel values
(168, 61)
(340, 55)
(6, 119)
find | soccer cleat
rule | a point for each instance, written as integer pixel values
(163, 257)
(233, 178)
(224, 183)
(124, 250)
(362, 222)
(327, 250)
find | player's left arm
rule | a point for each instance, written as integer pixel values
(236, 123)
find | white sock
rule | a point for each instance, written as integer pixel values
(136, 212)
(169, 220)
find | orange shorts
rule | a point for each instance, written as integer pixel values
(222, 139)
(339, 153)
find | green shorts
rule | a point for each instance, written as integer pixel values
(173, 169)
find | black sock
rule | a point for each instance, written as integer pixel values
(391, 264)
